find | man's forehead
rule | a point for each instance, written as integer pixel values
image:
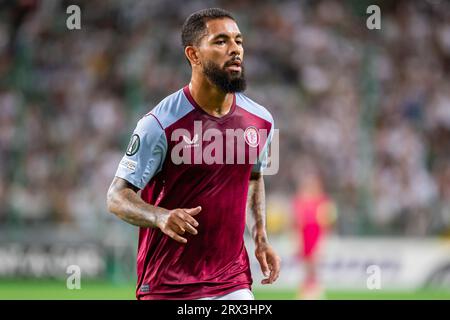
(222, 26)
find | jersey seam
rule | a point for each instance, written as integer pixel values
(157, 120)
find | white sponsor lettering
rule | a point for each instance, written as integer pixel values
(128, 164)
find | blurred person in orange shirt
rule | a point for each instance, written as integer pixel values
(315, 214)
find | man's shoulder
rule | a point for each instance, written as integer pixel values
(253, 107)
(171, 109)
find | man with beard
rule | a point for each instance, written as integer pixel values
(192, 215)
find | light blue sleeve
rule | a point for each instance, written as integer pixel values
(145, 153)
(263, 158)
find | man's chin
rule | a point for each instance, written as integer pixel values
(227, 79)
(235, 78)
(234, 75)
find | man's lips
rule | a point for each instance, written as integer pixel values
(234, 66)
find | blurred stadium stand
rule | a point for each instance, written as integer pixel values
(370, 108)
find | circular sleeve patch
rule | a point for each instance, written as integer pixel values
(134, 145)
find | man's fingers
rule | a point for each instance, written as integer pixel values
(178, 225)
(190, 229)
(189, 222)
(185, 222)
(276, 274)
(189, 219)
(273, 275)
(270, 265)
(263, 263)
(175, 236)
(274, 269)
(193, 211)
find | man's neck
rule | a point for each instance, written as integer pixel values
(210, 98)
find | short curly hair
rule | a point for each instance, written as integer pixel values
(194, 28)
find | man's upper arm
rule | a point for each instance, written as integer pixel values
(145, 153)
(119, 184)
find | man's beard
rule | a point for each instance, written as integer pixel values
(228, 82)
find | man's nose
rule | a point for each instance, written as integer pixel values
(235, 50)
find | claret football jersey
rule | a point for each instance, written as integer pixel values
(182, 157)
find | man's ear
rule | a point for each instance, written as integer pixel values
(192, 55)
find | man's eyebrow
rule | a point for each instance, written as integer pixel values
(224, 35)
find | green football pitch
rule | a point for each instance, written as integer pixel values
(96, 290)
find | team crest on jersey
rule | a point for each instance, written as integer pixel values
(251, 136)
(133, 146)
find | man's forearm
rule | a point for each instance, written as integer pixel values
(128, 206)
(256, 205)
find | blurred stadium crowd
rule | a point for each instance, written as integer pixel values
(370, 109)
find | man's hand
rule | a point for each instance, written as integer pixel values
(178, 221)
(269, 262)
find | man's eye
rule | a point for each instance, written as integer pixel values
(239, 43)
(220, 42)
